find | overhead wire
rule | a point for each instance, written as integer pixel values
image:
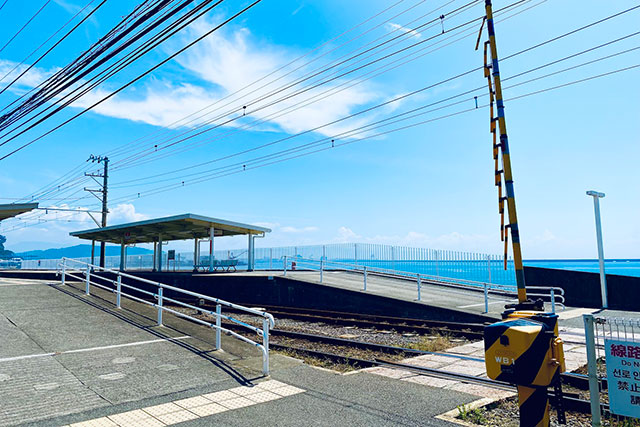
(110, 95)
(38, 48)
(533, 47)
(325, 69)
(415, 92)
(401, 116)
(563, 36)
(86, 65)
(162, 189)
(125, 146)
(345, 32)
(25, 25)
(172, 124)
(554, 39)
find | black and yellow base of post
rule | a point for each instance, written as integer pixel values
(534, 406)
(524, 349)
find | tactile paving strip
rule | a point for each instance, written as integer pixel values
(196, 407)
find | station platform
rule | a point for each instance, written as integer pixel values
(71, 359)
(457, 300)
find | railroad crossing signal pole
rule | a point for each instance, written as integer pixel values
(506, 159)
(524, 348)
(103, 196)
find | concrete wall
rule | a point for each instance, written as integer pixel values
(582, 289)
(280, 291)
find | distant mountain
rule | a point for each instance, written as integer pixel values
(79, 251)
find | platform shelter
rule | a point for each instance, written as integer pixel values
(14, 209)
(179, 227)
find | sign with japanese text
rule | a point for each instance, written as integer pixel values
(623, 376)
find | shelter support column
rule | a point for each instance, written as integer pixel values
(211, 234)
(160, 252)
(93, 251)
(250, 253)
(155, 256)
(195, 253)
(122, 254)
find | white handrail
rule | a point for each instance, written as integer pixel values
(555, 294)
(90, 271)
(397, 273)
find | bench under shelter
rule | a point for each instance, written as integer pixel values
(179, 227)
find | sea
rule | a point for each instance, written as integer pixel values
(623, 267)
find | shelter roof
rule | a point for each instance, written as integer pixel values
(13, 209)
(178, 227)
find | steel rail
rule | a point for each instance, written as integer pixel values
(570, 401)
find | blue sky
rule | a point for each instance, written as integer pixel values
(430, 185)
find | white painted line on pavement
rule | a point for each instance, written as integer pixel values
(481, 304)
(82, 350)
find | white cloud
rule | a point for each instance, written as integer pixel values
(124, 213)
(32, 78)
(225, 62)
(397, 27)
(347, 235)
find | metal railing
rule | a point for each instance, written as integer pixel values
(464, 265)
(555, 295)
(603, 336)
(89, 273)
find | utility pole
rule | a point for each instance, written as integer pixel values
(103, 195)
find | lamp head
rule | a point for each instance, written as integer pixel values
(594, 193)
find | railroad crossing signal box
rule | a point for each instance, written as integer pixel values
(524, 348)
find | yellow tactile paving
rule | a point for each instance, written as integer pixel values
(196, 407)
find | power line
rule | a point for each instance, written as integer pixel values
(27, 69)
(434, 85)
(325, 69)
(401, 116)
(84, 66)
(24, 26)
(244, 168)
(129, 83)
(306, 89)
(414, 20)
(126, 146)
(308, 53)
(586, 27)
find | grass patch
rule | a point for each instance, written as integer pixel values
(475, 415)
(432, 343)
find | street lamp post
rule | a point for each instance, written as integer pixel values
(603, 279)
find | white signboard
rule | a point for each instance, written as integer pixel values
(623, 376)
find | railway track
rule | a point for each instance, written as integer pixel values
(570, 401)
(471, 331)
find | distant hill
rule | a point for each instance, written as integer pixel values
(79, 251)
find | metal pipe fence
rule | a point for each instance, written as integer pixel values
(553, 295)
(613, 366)
(89, 274)
(454, 264)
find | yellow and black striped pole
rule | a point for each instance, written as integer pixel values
(533, 403)
(506, 161)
